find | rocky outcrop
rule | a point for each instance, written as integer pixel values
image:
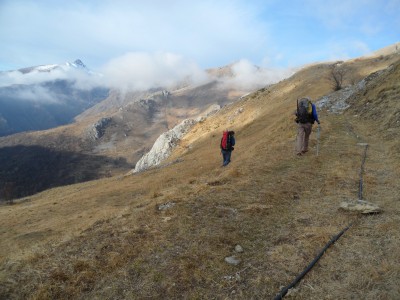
(97, 130)
(164, 145)
(337, 102)
(167, 141)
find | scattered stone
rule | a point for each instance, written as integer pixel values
(337, 101)
(238, 249)
(232, 260)
(361, 206)
(235, 277)
(166, 206)
(239, 110)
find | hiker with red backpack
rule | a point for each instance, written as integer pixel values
(227, 143)
(306, 116)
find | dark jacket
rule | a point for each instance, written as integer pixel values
(230, 144)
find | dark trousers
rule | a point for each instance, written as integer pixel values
(226, 157)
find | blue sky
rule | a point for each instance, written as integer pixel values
(208, 33)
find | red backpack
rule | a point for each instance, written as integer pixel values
(225, 141)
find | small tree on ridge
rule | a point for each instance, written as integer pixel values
(337, 76)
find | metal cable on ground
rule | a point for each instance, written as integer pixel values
(284, 291)
(360, 187)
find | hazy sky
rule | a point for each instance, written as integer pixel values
(205, 33)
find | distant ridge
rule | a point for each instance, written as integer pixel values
(77, 64)
(391, 49)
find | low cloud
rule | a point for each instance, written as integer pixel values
(135, 71)
(142, 71)
(247, 76)
(32, 86)
(32, 78)
(34, 93)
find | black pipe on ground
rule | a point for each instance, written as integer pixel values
(284, 291)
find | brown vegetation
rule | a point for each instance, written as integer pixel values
(110, 239)
(337, 76)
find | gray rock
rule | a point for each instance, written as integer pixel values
(166, 206)
(361, 206)
(164, 145)
(336, 102)
(232, 260)
(167, 141)
(97, 130)
(238, 249)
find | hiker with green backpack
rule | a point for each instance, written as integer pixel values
(306, 116)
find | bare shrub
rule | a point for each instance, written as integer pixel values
(337, 76)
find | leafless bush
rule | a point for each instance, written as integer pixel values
(337, 75)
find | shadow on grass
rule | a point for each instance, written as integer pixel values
(26, 170)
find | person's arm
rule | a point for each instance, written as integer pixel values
(314, 113)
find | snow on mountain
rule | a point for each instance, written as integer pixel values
(45, 68)
(47, 96)
(76, 65)
(75, 72)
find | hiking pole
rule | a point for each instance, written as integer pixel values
(318, 134)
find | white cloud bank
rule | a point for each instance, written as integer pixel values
(138, 71)
(142, 71)
(247, 76)
(132, 71)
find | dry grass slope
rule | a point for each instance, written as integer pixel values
(108, 239)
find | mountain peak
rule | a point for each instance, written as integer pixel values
(79, 63)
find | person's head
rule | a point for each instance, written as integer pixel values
(232, 132)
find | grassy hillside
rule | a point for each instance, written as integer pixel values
(164, 233)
